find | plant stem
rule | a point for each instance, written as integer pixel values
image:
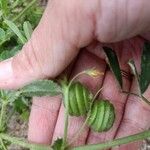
(76, 76)
(66, 99)
(87, 118)
(2, 144)
(24, 144)
(4, 7)
(24, 10)
(15, 4)
(98, 92)
(91, 72)
(78, 133)
(117, 142)
(2, 115)
(66, 94)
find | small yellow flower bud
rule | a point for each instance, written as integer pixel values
(94, 72)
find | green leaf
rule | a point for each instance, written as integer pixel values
(9, 53)
(2, 34)
(9, 96)
(57, 144)
(145, 68)
(1, 14)
(16, 30)
(25, 115)
(27, 27)
(4, 6)
(41, 88)
(135, 72)
(131, 63)
(22, 106)
(114, 64)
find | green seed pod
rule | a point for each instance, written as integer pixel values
(79, 99)
(102, 116)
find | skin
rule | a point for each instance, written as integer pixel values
(65, 28)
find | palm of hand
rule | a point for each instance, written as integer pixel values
(46, 120)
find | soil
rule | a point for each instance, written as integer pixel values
(18, 128)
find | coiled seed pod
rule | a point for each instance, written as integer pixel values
(102, 116)
(79, 99)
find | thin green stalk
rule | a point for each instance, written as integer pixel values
(75, 77)
(15, 4)
(2, 144)
(97, 93)
(31, 4)
(4, 7)
(66, 94)
(2, 115)
(117, 142)
(86, 120)
(24, 144)
(75, 137)
(91, 72)
(66, 97)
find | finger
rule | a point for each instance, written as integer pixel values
(96, 48)
(146, 36)
(65, 27)
(112, 92)
(86, 61)
(51, 48)
(43, 116)
(136, 117)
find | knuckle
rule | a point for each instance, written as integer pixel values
(27, 61)
(23, 61)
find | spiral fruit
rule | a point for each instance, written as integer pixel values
(102, 116)
(79, 99)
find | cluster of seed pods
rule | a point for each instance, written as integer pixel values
(100, 113)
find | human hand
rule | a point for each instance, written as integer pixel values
(65, 28)
(132, 115)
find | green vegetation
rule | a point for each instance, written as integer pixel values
(18, 18)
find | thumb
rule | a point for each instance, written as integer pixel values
(52, 47)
